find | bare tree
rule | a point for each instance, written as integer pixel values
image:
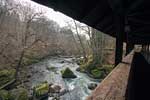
(7, 7)
(95, 43)
(80, 40)
(27, 16)
(74, 38)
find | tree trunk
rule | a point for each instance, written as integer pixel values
(96, 43)
(80, 40)
(19, 64)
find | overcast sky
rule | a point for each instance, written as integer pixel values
(50, 13)
(60, 18)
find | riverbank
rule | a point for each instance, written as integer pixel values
(49, 70)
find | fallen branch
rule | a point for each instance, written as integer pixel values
(7, 85)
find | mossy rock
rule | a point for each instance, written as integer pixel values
(19, 94)
(52, 68)
(29, 61)
(80, 61)
(15, 94)
(67, 73)
(98, 74)
(92, 86)
(108, 68)
(41, 89)
(80, 69)
(23, 94)
(87, 66)
(4, 95)
(6, 76)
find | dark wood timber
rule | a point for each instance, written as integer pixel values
(129, 47)
(119, 38)
(138, 82)
(119, 21)
(99, 14)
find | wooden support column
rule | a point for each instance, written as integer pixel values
(147, 51)
(129, 47)
(148, 47)
(118, 8)
(119, 24)
(144, 48)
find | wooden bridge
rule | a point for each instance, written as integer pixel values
(128, 21)
(113, 87)
(128, 81)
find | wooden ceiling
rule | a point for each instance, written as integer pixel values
(100, 14)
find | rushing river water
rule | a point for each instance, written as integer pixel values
(78, 87)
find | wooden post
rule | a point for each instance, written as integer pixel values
(119, 24)
(118, 8)
(144, 49)
(129, 47)
(119, 51)
(147, 51)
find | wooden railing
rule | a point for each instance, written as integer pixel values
(113, 87)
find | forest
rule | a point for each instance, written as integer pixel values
(40, 60)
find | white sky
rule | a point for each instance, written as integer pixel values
(60, 18)
(50, 13)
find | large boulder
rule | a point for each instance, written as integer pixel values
(92, 86)
(4, 95)
(15, 94)
(19, 94)
(52, 68)
(55, 88)
(97, 74)
(67, 73)
(63, 91)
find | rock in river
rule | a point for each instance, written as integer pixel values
(92, 86)
(67, 73)
(55, 88)
(15, 94)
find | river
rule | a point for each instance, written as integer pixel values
(78, 87)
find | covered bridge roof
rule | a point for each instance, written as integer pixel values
(100, 14)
